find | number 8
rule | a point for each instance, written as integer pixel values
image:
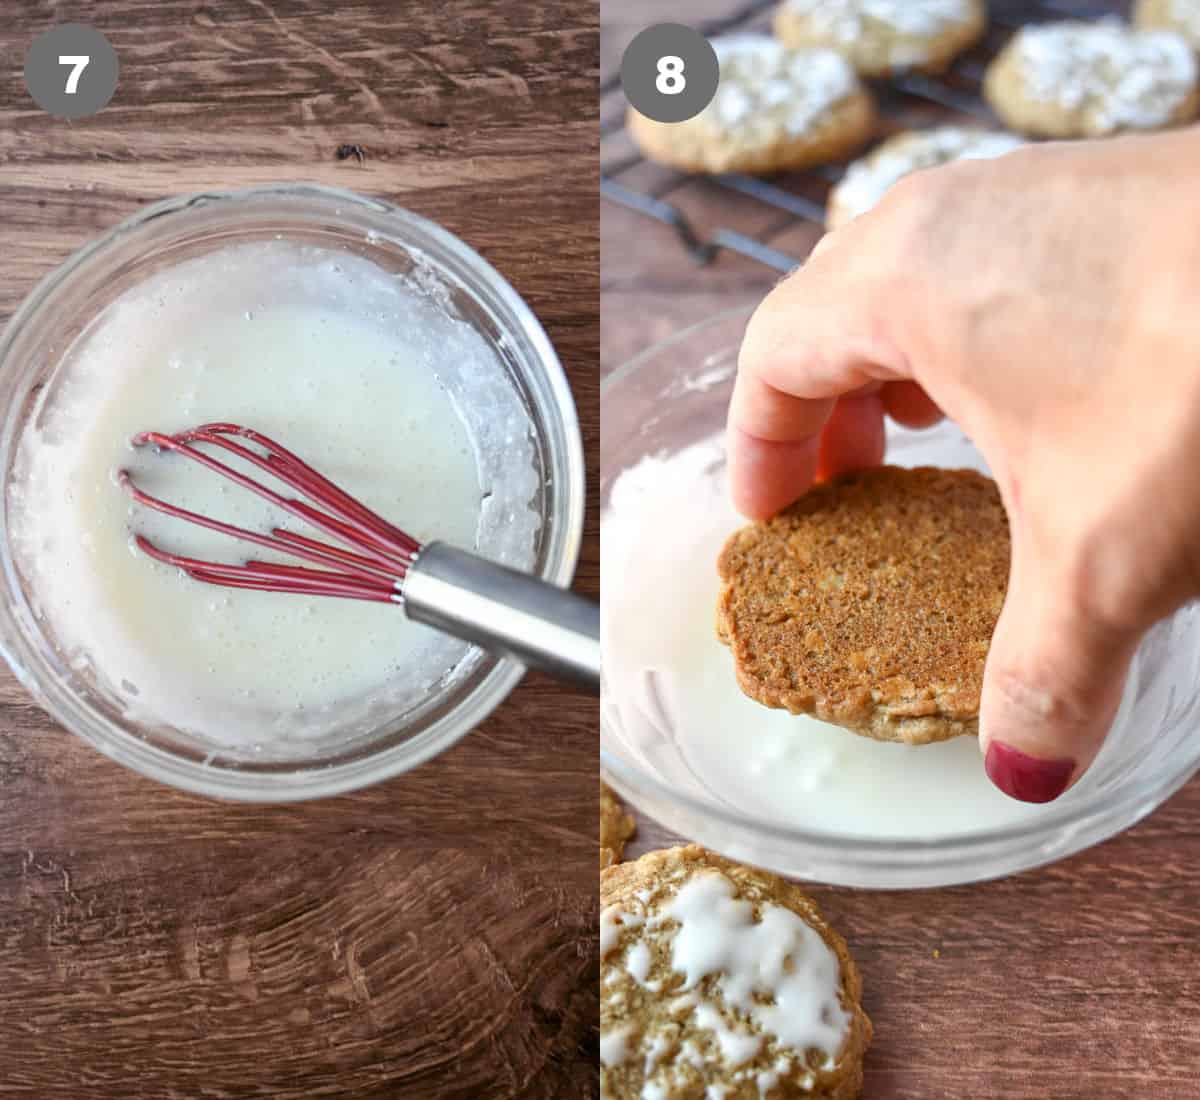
(670, 75)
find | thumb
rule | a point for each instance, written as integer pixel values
(1051, 686)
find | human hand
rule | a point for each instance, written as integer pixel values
(1048, 302)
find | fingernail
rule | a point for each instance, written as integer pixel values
(1026, 777)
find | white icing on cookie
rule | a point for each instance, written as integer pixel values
(776, 970)
(847, 21)
(867, 180)
(748, 980)
(659, 1046)
(614, 1046)
(1121, 77)
(637, 962)
(1186, 16)
(768, 92)
(737, 1045)
(613, 922)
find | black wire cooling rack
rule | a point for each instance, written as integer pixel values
(956, 90)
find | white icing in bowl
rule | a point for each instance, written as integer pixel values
(357, 370)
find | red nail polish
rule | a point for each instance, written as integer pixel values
(1026, 777)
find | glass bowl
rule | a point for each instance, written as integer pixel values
(166, 233)
(675, 395)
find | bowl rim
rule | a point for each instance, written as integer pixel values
(1084, 824)
(310, 780)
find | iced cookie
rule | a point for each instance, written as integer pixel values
(870, 602)
(718, 980)
(1181, 16)
(866, 181)
(616, 827)
(1075, 80)
(883, 36)
(775, 109)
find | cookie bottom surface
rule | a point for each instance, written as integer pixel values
(870, 603)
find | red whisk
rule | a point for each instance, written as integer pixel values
(371, 559)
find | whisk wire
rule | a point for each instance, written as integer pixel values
(355, 529)
(375, 568)
(455, 591)
(293, 471)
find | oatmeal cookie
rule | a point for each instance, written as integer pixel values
(616, 827)
(775, 109)
(1078, 80)
(721, 980)
(879, 37)
(1181, 16)
(867, 180)
(870, 602)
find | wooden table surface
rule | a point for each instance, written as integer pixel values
(1074, 982)
(433, 936)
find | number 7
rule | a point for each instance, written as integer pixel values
(78, 63)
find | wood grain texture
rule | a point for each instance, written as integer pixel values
(1074, 982)
(430, 937)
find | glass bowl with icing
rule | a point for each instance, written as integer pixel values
(376, 345)
(681, 742)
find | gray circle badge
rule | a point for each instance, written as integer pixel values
(670, 72)
(71, 70)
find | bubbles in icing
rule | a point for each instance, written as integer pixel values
(868, 179)
(1122, 78)
(772, 91)
(847, 20)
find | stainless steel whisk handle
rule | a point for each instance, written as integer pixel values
(541, 625)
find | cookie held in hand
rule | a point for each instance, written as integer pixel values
(870, 602)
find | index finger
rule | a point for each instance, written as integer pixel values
(817, 336)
